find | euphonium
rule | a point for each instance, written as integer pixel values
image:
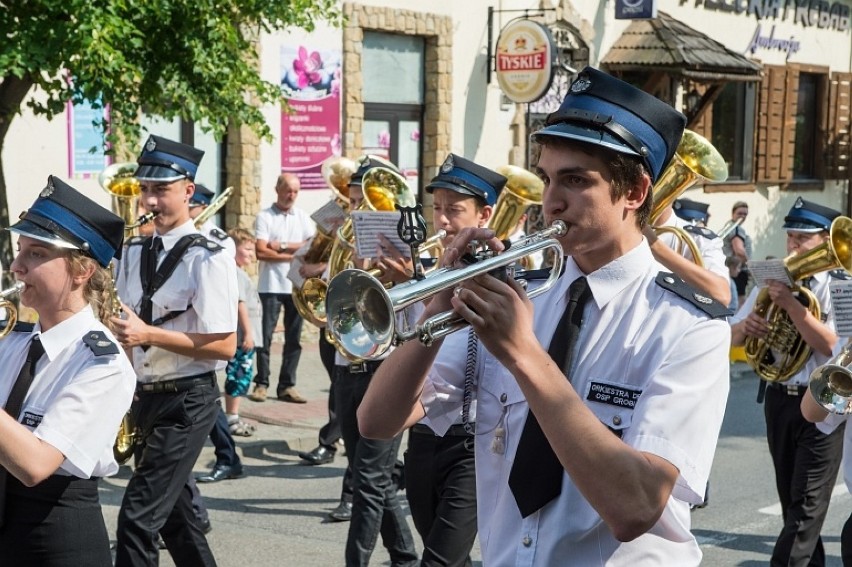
(782, 352)
(695, 159)
(831, 383)
(11, 309)
(362, 313)
(119, 181)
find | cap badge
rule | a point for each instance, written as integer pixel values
(448, 165)
(799, 203)
(48, 190)
(150, 145)
(582, 84)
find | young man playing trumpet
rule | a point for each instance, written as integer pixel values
(618, 442)
(805, 459)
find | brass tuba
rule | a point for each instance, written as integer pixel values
(523, 189)
(695, 159)
(782, 352)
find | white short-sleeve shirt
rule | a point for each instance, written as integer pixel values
(77, 398)
(667, 363)
(274, 225)
(204, 284)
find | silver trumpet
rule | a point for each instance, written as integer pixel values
(831, 383)
(362, 313)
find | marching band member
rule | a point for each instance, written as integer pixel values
(609, 460)
(805, 458)
(180, 291)
(440, 472)
(64, 408)
(200, 200)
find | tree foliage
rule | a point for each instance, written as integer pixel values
(192, 59)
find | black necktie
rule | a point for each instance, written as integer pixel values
(16, 402)
(149, 258)
(536, 476)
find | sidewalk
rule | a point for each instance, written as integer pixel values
(300, 423)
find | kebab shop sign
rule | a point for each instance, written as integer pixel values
(524, 61)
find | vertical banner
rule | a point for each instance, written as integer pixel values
(84, 134)
(310, 133)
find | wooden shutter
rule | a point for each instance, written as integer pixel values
(837, 135)
(776, 124)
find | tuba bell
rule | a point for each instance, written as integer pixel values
(695, 159)
(523, 189)
(782, 352)
(119, 181)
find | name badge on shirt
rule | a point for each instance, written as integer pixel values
(618, 395)
(31, 419)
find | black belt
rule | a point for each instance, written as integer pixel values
(789, 389)
(456, 430)
(364, 366)
(177, 385)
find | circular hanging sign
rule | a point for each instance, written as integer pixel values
(524, 60)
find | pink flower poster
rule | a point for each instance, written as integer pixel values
(310, 132)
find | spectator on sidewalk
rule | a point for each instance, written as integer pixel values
(281, 230)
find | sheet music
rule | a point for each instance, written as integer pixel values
(293, 275)
(369, 225)
(329, 216)
(762, 270)
(841, 305)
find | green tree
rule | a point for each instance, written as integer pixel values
(192, 59)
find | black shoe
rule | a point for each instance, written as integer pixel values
(221, 472)
(343, 512)
(205, 526)
(321, 455)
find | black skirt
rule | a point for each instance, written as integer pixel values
(57, 523)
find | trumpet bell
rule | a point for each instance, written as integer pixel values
(831, 383)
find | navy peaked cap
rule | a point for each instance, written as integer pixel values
(602, 110)
(64, 217)
(202, 195)
(464, 176)
(806, 216)
(166, 160)
(691, 210)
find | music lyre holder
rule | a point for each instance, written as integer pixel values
(412, 231)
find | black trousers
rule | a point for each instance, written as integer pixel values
(174, 428)
(329, 434)
(806, 463)
(272, 304)
(440, 483)
(375, 505)
(57, 523)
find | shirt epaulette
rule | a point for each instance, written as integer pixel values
(208, 244)
(218, 233)
(134, 240)
(701, 230)
(100, 343)
(23, 327)
(840, 274)
(707, 304)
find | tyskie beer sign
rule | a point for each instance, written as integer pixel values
(524, 61)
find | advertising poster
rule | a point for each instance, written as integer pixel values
(310, 133)
(84, 134)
